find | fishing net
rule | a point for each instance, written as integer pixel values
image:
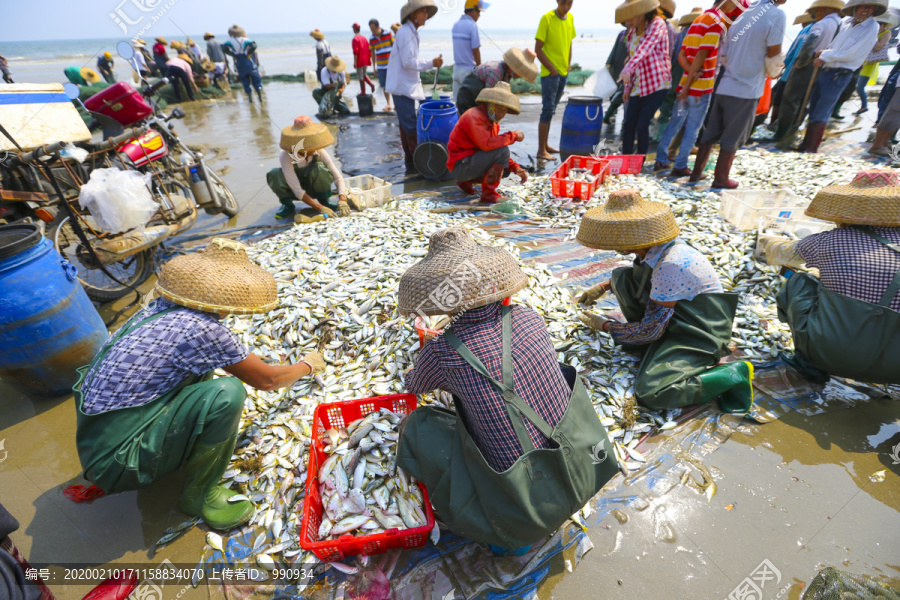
(577, 77)
(507, 207)
(831, 584)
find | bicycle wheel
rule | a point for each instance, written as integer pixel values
(229, 202)
(132, 271)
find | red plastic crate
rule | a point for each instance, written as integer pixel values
(341, 414)
(625, 164)
(566, 188)
(121, 102)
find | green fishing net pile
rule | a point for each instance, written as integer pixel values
(831, 584)
(577, 77)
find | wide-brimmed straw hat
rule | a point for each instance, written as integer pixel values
(186, 57)
(686, 20)
(835, 4)
(522, 63)
(316, 34)
(208, 35)
(208, 65)
(501, 95)
(220, 279)
(413, 5)
(881, 7)
(872, 198)
(162, 40)
(804, 19)
(335, 64)
(458, 274)
(314, 135)
(889, 19)
(668, 6)
(90, 75)
(138, 44)
(627, 222)
(236, 31)
(634, 8)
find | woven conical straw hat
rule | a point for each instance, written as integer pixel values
(220, 279)
(414, 5)
(881, 7)
(804, 19)
(237, 31)
(522, 63)
(634, 8)
(835, 4)
(458, 274)
(316, 34)
(627, 222)
(872, 198)
(668, 6)
(314, 135)
(501, 95)
(686, 20)
(335, 64)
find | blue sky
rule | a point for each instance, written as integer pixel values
(64, 19)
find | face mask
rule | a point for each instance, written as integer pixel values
(492, 115)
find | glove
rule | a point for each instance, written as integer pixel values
(315, 361)
(301, 218)
(775, 66)
(344, 208)
(593, 321)
(327, 212)
(587, 298)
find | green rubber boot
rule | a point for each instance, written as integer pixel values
(734, 382)
(203, 497)
(287, 209)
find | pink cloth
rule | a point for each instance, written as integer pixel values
(361, 56)
(183, 65)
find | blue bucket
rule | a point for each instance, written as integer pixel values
(48, 326)
(436, 120)
(581, 126)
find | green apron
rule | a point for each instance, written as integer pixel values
(841, 335)
(696, 337)
(468, 92)
(128, 448)
(542, 489)
(315, 179)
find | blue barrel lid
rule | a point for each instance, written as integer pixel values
(17, 238)
(585, 100)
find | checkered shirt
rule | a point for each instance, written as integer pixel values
(536, 375)
(492, 73)
(853, 264)
(151, 360)
(649, 63)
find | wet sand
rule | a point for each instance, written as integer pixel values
(798, 489)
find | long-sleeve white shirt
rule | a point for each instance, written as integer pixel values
(852, 45)
(404, 65)
(287, 168)
(825, 30)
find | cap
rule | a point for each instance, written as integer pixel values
(356, 26)
(480, 4)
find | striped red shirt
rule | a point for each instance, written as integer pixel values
(705, 33)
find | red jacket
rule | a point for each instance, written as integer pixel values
(361, 51)
(474, 132)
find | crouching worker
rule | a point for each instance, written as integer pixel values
(477, 151)
(846, 323)
(148, 404)
(307, 172)
(516, 458)
(674, 304)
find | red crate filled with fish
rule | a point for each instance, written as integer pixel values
(625, 164)
(357, 502)
(579, 177)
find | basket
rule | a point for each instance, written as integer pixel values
(341, 414)
(375, 191)
(625, 164)
(425, 334)
(583, 190)
(744, 208)
(784, 230)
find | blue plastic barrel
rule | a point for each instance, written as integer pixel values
(581, 125)
(48, 326)
(437, 118)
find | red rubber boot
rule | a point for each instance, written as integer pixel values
(489, 185)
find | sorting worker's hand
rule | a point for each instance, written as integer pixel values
(592, 293)
(523, 174)
(316, 362)
(520, 135)
(344, 208)
(328, 212)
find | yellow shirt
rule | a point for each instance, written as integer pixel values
(557, 35)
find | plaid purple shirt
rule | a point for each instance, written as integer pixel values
(491, 73)
(853, 264)
(536, 374)
(154, 358)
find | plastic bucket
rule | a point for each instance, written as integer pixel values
(366, 108)
(436, 120)
(48, 326)
(581, 125)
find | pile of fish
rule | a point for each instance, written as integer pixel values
(578, 174)
(337, 289)
(361, 488)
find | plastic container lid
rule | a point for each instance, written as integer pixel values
(591, 100)
(15, 239)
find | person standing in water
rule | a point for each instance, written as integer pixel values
(242, 49)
